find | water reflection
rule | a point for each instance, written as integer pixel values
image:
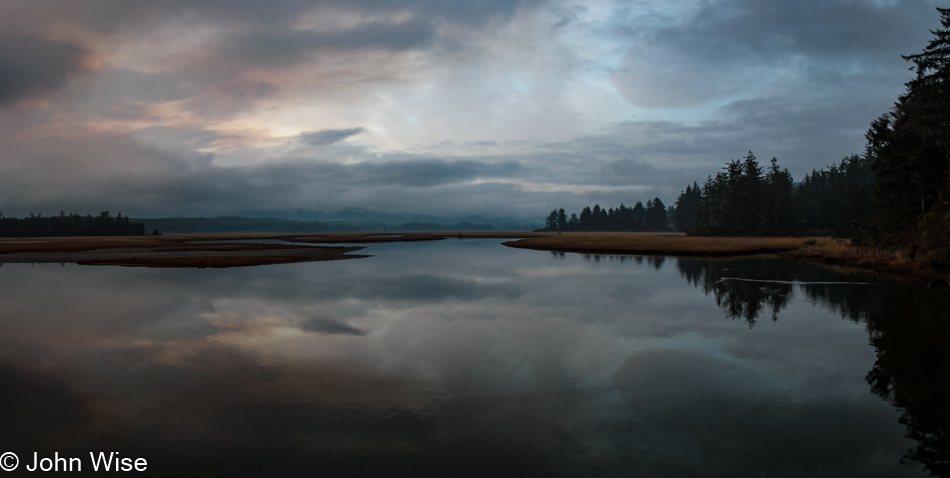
(749, 288)
(906, 323)
(653, 261)
(459, 358)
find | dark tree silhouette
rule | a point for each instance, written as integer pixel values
(37, 225)
(909, 149)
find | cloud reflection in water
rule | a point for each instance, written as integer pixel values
(456, 358)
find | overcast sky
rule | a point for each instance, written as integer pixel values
(500, 107)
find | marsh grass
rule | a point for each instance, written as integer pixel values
(844, 252)
(671, 244)
(826, 250)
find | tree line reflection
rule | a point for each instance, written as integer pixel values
(907, 325)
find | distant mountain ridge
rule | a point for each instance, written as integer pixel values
(355, 215)
(345, 220)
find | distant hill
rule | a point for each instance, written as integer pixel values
(347, 220)
(360, 216)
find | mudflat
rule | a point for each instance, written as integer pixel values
(168, 251)
(209, 250)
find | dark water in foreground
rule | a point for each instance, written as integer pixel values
(466, 358)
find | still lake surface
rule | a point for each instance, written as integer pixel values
(467, 358)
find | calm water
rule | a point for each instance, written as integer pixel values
(467, 358)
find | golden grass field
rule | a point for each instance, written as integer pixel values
(658, 243)
(194, 250)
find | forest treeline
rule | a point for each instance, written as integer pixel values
(745, 199)
(104, 224)
(652, 217)
(896, 194)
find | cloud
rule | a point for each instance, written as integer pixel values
(279, 48)
(187, 137)
(329, 136)
(30, 67)
(162, 170)
(114, 15)
(330, 326)
(474, 107)
(432, 172)
(741, 48)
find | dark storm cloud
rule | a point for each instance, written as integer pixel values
(29, 66)
(329, 136)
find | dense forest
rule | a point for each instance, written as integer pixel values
(746, 199)
(896, 194)
(70, 225)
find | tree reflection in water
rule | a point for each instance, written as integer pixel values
(908, 325)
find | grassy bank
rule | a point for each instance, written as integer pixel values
(666, 244)
(825, 250)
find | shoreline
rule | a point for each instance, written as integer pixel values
(821, 250)
(207, 250)
(213, 250)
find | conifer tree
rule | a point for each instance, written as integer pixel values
(687, 205)
(909, 150)
(586, 219)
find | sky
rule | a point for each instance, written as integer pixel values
(496, 107)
